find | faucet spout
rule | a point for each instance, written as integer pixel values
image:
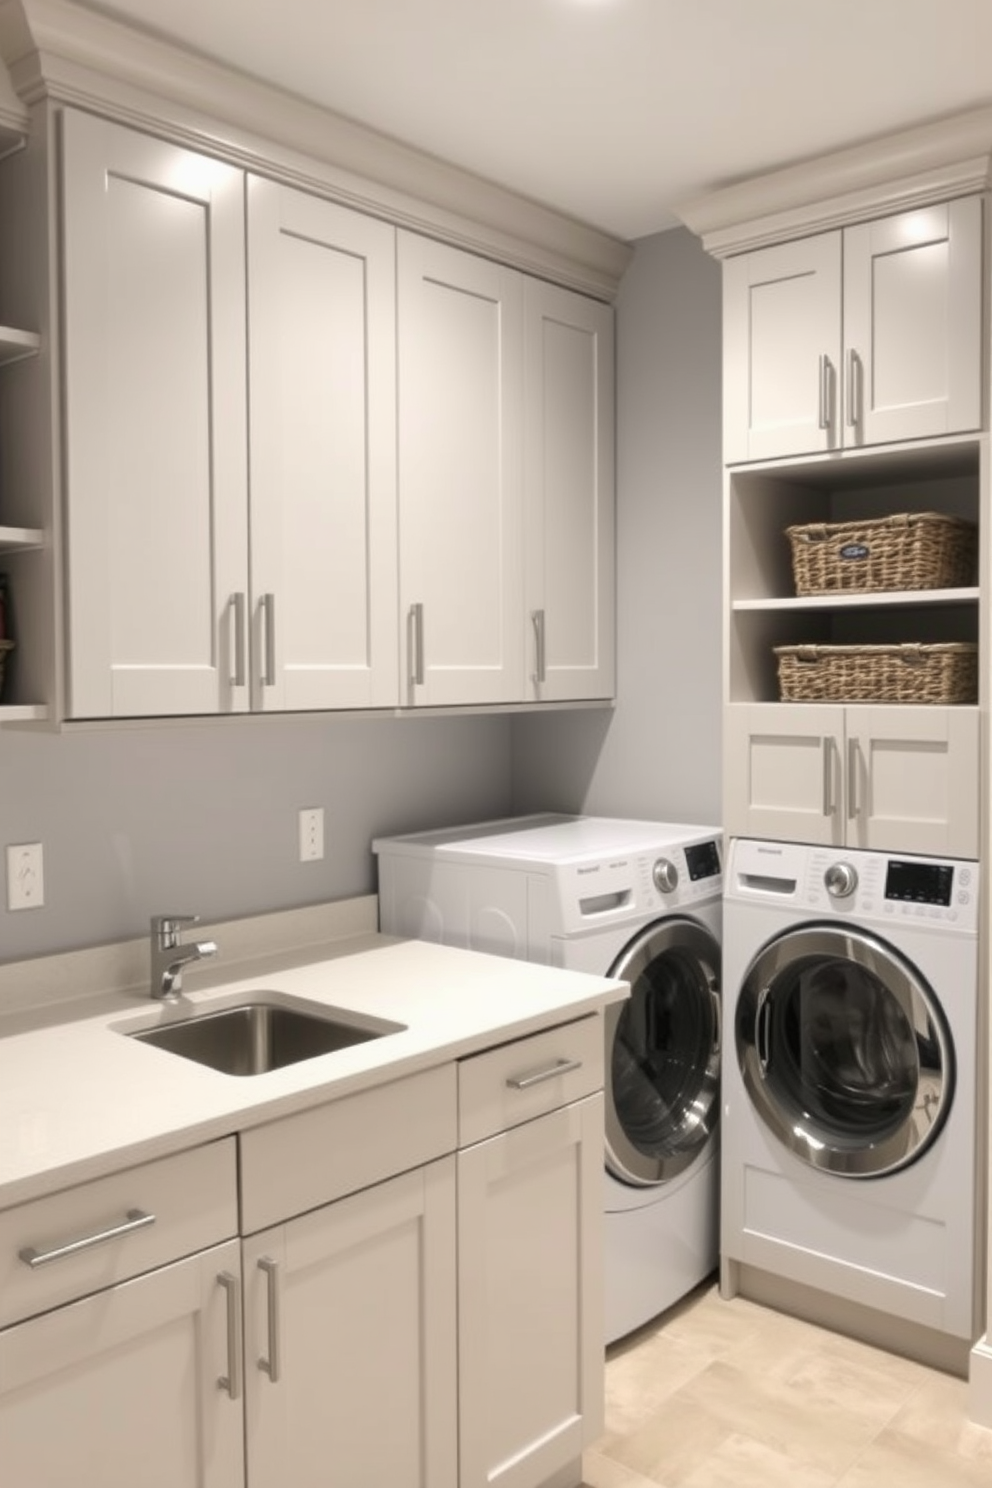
(169, 954)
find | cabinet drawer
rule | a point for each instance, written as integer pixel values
(301, 1161)
(518, 1081)
(97, 1234)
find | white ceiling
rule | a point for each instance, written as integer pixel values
(612, 111)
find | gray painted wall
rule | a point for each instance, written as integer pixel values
(657, 755)
(202, 817)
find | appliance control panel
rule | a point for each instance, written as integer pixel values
(632, 885)
(851, 883)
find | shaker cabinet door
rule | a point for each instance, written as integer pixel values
(460, 432)
(782, 349)
(912, 324)
(569, 495)
(155, 424)
(322, 379)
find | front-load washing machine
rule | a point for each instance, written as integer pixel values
(636, 900)
(849, 1122)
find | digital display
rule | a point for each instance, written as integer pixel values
(703, 860)
(919, 883)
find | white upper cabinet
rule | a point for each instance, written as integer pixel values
(866, 335)
(569, 499)
(460, 339)
(155, 423)
(322, 420)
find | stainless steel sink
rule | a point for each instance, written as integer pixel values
(255, 1037)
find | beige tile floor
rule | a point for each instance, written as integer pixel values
(727, 1394)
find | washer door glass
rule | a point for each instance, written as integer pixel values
(663, 1053)
(844, 1052)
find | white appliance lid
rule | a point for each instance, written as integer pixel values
(551, 838)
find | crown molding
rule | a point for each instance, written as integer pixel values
(916, 167)
(67, 54)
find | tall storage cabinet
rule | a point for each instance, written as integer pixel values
(853, 371)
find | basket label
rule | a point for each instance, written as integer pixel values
(855, 550)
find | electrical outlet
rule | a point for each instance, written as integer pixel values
(25, 876)
(311, 834)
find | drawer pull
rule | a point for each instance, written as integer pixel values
(231, 1381)
(549, 1072)
(136, 1219)
(272, 1364)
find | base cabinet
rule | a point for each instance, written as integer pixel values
(898, 779)
(351, 1369)
(530, 1330)
(132, 1384)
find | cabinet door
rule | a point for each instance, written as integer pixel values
(782, 346)
(350, 1341)
(156, 456)
(569, 500)
(131, 1385)
(460, 408)
(530, 1298)
(913, 780)
(322, 384)
(783, 775)
(912, 324)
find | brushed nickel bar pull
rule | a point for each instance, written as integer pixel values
(231, 1381)
(273, 1364)
(240, 649)
(826, 392)
(852, 779)
(855, 389)
(417, 644)
(828, 794)
(541, 670)
(537, 1077)
(136, 1219)
(269, 621)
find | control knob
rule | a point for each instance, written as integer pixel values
(841, 880)
(665, 875)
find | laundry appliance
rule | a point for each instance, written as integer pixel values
(636, 900)
(849, 1125)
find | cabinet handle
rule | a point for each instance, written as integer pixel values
(268, 606)
(853, 758)
(231, 1381)
(136, 1219)
(828, 779)
(549, 1072)
(240, 649)
(417, 644)
(540, 657)
(826, 415)
(272, 1366)
(855, 388)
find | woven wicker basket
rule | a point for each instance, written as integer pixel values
(911, 550)
(945, 673)
(5, 647)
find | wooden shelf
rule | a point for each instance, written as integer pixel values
(848, 600)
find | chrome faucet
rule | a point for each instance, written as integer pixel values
(170, 954)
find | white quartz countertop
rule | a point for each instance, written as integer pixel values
(78, 1098)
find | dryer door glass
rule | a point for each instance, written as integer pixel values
(663, 1053)
(843, 1050)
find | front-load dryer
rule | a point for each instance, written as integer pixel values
(640, 901)
(850, 1143)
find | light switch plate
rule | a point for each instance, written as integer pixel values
(25, 876)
